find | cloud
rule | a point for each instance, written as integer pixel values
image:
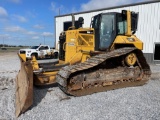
(4, 35)
(19, 18)
(97, 4)
(3, 12)
(31, 33)
(14, 29)
(32, 14)
(60, 9)
(38, 26)
(56, 8)
(53, 6)
(15, 1)
(47, 34)
(35, 37)
(3, 20)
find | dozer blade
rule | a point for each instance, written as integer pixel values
(24, 87)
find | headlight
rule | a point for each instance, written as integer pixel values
(131, 39)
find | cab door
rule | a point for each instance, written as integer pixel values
(44, 50)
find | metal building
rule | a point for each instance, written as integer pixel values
(148, 25)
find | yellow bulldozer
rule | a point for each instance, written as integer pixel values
(105, 56)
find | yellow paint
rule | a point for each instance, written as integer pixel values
(23, 57)
(124, 40)
(34, 63)
(77, 48)
(78, 41)
(45, 78)
(78, 45)
(131, 59)
(128, 33)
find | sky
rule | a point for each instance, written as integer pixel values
(31, 22)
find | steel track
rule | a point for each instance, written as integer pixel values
(77, 79)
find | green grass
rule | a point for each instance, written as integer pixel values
(11, 49)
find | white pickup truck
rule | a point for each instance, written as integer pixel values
(41, 51)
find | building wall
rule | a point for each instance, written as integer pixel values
(148, 25)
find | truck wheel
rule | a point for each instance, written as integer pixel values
(36, 56)
(56, 55)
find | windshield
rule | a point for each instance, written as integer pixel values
(95, 22)
(122, 24)
(106, 30)
(34, 47)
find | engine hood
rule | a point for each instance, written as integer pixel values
(27, 49)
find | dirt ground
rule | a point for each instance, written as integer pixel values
(132, 103)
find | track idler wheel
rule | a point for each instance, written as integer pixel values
(131, 59)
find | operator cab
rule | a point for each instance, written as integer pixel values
(108, 25)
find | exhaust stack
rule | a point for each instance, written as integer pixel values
(73, 21)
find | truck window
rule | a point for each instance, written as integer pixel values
(46, 48)
(41, 48)
(34, 47)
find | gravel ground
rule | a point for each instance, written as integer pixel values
(131, 103)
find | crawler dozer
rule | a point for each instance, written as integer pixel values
(105, 56)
